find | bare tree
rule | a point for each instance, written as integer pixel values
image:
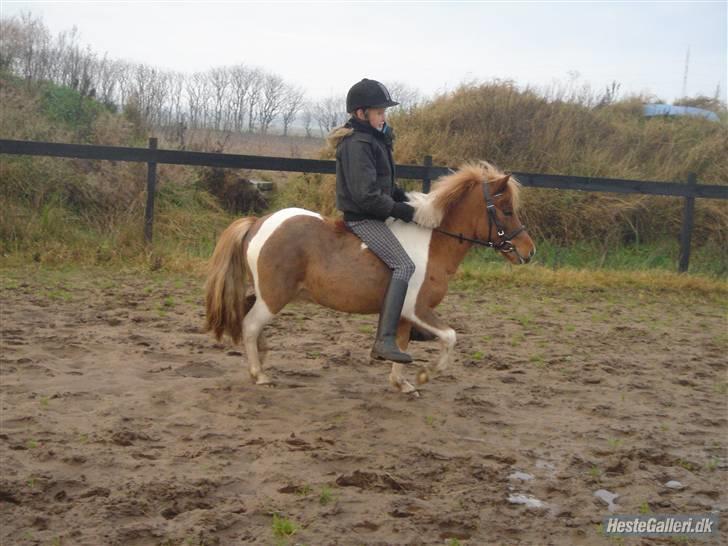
(176, 97)
(196, 89)
(241, 81)
(307, 118)
(70, 57)
(273, 94)
(329, 113)
(292, 102)
(219, 80)
(234, 97)
(11, 43)
(106, 77)
(254, 95)
(34, 36)
(407, 97)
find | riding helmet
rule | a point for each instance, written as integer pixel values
(368, 94)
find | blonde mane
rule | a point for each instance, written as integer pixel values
(430, 208)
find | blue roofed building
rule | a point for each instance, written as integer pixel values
(651, 110)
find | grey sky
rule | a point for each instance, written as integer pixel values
(325, 47)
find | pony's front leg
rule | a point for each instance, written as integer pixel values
(429, 322)
(396, 379)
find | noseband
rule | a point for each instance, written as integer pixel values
(504, 243)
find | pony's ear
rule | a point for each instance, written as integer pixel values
(500, 185)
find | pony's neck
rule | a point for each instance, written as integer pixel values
(450, 252)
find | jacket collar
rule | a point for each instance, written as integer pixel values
(361, 126)
(364, 127)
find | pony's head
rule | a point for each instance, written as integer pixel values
(480, 202)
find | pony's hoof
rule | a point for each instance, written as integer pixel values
(422, 377)
(402, 385)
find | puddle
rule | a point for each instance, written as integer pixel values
(608, 498)
(528, 500)
(522, 476)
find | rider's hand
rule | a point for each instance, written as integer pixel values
(403, 211)
(399, 195)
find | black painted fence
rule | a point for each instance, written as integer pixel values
(427, 172)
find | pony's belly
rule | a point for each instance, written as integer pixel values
(352, 279)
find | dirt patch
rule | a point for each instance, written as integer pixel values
(123, 424)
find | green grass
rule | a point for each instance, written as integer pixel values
(687, 465)
(709, 259)
(304, 490)
(326, 496)
(614, 443)
(712, 464)
(282, 527)
(537, 359)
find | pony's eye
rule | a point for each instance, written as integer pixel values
(507, 213)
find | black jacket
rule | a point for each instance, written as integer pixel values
(365, 172)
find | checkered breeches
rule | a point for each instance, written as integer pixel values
(380, 240)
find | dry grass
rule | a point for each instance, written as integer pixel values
(59, 211)
(525, 131)
(591, 280)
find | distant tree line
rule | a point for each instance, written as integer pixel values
(239, 98)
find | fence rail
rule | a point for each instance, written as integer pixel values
(427, 172)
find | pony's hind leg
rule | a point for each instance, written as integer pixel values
(255, 320)
(428, 321)
(262, 345)
(396, 379)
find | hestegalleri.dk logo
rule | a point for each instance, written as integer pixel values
(696, 526)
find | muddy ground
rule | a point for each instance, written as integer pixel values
(122, 423)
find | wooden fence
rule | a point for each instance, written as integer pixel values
(689, 190)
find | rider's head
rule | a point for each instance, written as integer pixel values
(368, 100)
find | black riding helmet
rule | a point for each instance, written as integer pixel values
(368, 94)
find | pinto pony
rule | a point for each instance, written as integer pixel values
(295, 253)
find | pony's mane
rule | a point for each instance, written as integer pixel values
(449, 190)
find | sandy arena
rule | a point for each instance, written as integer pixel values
(124, 424)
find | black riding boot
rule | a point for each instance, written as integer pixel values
(385, 346)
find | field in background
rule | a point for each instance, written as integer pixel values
(87, 212)
(244, 143)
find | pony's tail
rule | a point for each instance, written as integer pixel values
(225, 287)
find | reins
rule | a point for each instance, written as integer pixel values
(504, 244)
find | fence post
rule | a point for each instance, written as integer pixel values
(686, 231)
(426, 180)
(151, 190)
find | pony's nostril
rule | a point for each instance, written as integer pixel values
(532, 253)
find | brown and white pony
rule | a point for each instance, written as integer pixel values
(295, 253)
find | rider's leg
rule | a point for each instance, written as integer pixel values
(380, 240)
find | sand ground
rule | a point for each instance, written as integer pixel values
(122, 423)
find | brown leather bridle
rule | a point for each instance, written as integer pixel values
(504, 243)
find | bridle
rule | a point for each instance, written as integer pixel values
(504, 243)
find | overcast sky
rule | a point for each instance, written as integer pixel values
(433, 46)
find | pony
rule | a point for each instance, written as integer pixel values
(296, 253)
